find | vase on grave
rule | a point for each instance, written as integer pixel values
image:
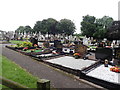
(106, 63)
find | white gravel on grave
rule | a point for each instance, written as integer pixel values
(44, 55)
(71, 62)
(104, 73)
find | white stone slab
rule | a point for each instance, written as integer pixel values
(104, 73)
(71, 62)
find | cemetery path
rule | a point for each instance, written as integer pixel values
(58, 79)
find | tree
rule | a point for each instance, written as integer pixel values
(23, 29)
(20, 29)
(27, 29)
(37, 27)
(97, 28)
(66, 26)
(51, 26)
(113, 32)
(46, 26)
(105, 21)
(100, 33)
(88, 25)
(101, 27)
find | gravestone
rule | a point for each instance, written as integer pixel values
(46, 44)
(85, 41)
(82, 49)
(33, 41)
(58, 45)
(117, 53)
(104, 53)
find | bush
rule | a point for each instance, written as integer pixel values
(27, 44)
(24, 44)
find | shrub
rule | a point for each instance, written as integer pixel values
(27, 44)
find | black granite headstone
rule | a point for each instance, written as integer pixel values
(104, 53)
(117, 53)
(58, 45)
(55, 43)
(34, 41)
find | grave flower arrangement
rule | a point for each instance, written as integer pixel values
(115, 69)
(35, 45)
(27, 44)
(32, 50)
(77, 55)
(25, 49)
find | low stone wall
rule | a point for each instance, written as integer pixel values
(100, 82)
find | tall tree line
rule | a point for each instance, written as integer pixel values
(97, 28)
(50, 26)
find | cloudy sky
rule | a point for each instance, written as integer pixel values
(15, 13)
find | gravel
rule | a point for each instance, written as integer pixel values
(104, 73)
(71, 62)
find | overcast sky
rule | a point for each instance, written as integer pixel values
(15, 13)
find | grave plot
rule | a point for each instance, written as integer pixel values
(103, 76)
(104, 73)
(70, 64)
(43, 56)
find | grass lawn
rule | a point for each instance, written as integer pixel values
(15, 41)
(12, 71)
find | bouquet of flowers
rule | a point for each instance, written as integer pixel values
(77, 55)
(32, 50)
(115, 69)
(25, 48)
(35, 45)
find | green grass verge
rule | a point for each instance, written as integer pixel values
(16, 42)
(15, 73)
(4, 87)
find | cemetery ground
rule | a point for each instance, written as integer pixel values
(58, 78)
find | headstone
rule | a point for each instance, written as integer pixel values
(34, 41)
(85, 41)
(82, 49)
(46, 44)
(58, 45)
(104, 53)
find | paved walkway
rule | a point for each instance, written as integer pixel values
(58, 79)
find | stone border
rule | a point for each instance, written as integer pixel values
(101, 82)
